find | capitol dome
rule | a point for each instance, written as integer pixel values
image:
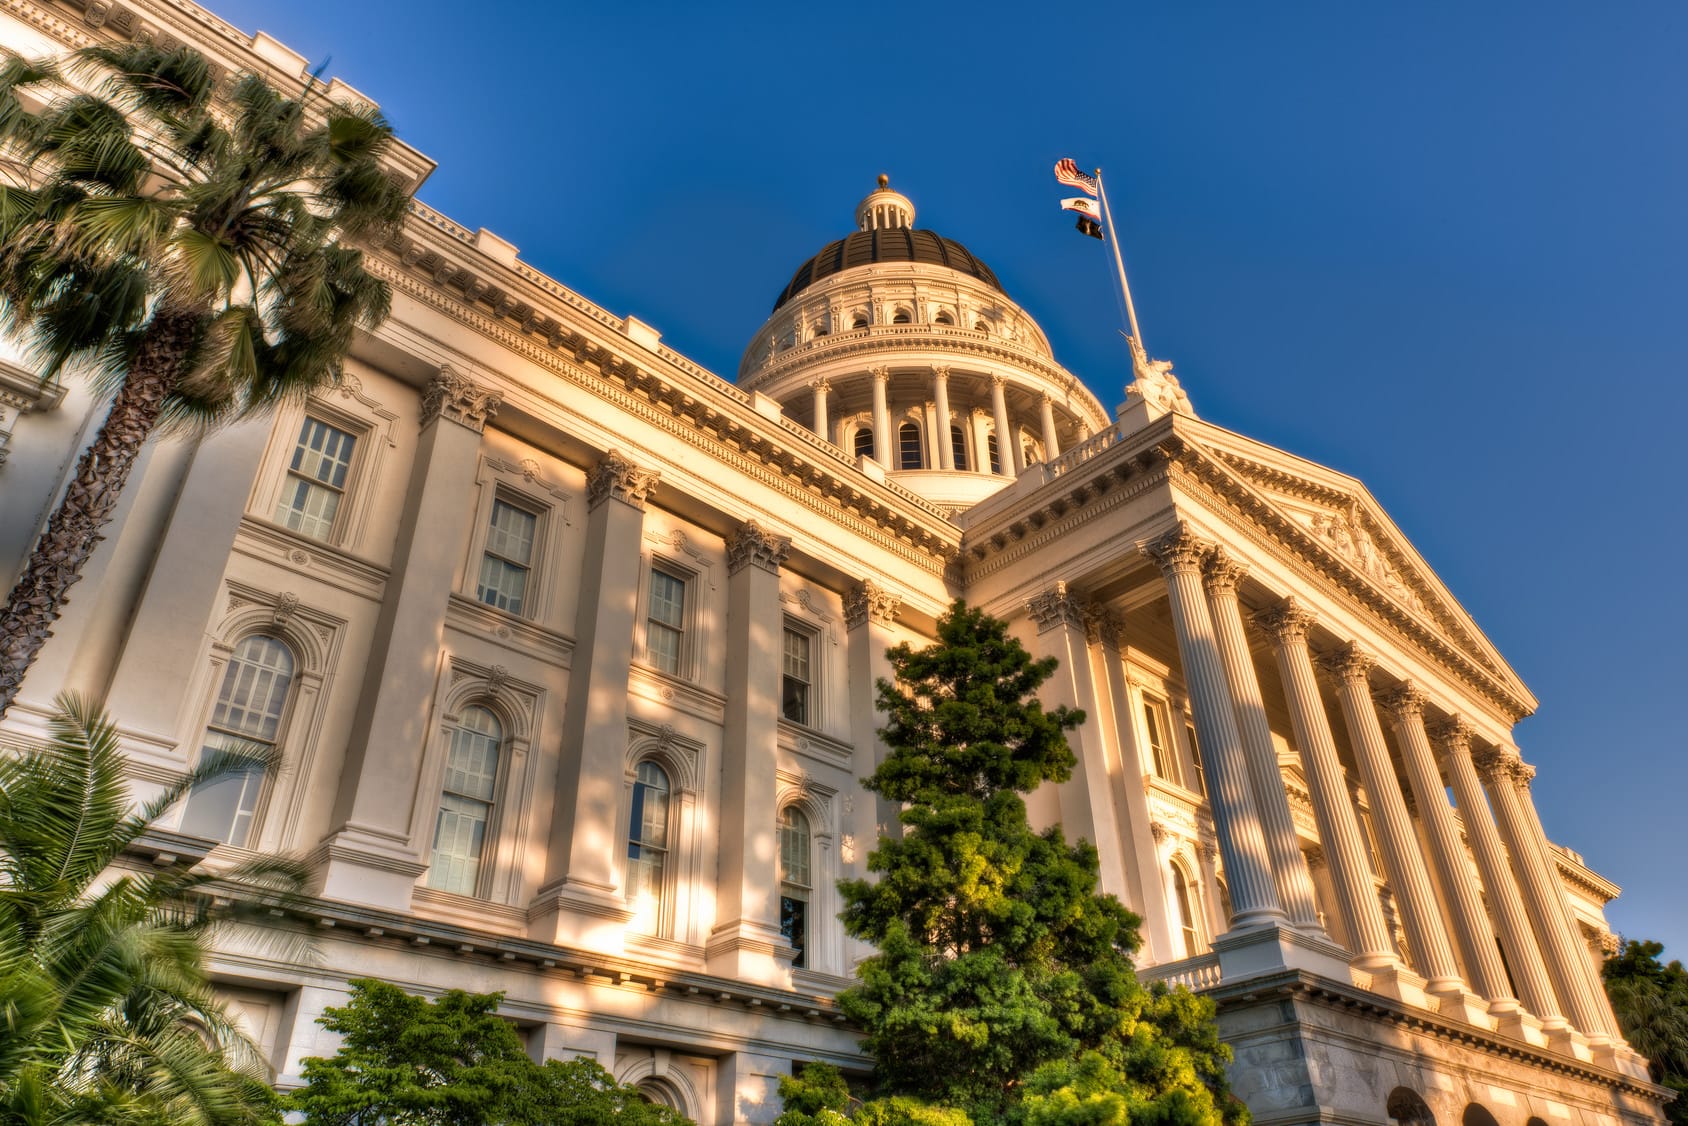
(903, 348)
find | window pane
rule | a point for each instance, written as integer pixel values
(254, 690)
(222, 809)
(459, 839)
(511, 535)
(794, 925)
(1157, 742)
(794, 685)
(503, 584)
(995, 453)
(864, 442)
(908, 446)
(663, 646)
(958, 447)
(666, 620)
(471, 767)
(794, 846)
(647, 851)
(1196, 758)
(316, 476)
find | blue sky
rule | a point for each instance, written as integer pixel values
(1441, 247)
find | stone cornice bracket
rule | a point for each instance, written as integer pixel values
(1453, 735)
(749, 545)
(1222, 572)
(616, 477)
(867, 601)
(1178, 550)
(1056, 606)
(1350, 663)
(460, 399)
(1286, 622)
(1405, 703)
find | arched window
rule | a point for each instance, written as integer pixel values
(902, 317)
(795, 880)
(647, 845)
(1477, 1114)
(1408, 1108)
(859, 322)
(908, 446)
(981, 326)
(864, 441)
(1186, 910)
(466, 800)
(995, 452)
(943, 318)
(250, 707)
(958, 447)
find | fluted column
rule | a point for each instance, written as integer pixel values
(1242, 844)
(1508, 779)
(1006, 458)
(1471, 927)
(1401, 856)
(822, 425)
(881, 418)
(1340, 836)
(1051, 447)
(1289, 868)
(1529, 971)
(940, 398)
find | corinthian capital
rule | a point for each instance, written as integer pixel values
(1222, 572)
(1405, 703)
(1056, 606)
(460, 399)
(1350, 663)
(616, 478)
(1286, 623)
(940, 373)
(881, 374)
(1503, 765)
(1453, 735)
(821, 383)
(1178, 550)
(868, 602)
(750, 545)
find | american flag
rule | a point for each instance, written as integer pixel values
(1067, 172)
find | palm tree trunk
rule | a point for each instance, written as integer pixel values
(91, 498)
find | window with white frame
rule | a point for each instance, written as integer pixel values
(797, 686)
(665, 621)
(507, 560)
(795, 885)
(1185, 903)
(1155, 727)
(647, 845)
(251, 704)
(1196, 757)
(466, 802)
(316, 479)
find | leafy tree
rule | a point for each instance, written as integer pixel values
(1002, 990)
(106, 1009)
(408, 1061)
(1650, 999)
(186, 248)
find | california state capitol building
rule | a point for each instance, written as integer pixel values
(569, 646)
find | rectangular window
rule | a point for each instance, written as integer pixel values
(508, 557)
(796, 684)
(1196, 757)
(1156, 729)
(316, 479)
(665, 623)
(995, 453)
(958, 447)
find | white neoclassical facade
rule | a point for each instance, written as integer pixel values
(569, 647)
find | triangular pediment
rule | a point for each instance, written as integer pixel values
(1332, 521)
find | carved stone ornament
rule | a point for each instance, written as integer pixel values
(1155, 384)
(1453, 735)
(867, 601)
(1610, 944)
(286, 605)
(940, 373)
(1160, 830)
(1503, 764)
(1056, 606)
(1405, 703)
(1344, 534)
(459, 399)
(749, 544)
(496, 678)
(1286, 623)
(619, 479)
(1350, 663)
(1223, 573)
(881, 373)
(1101, 626)
(1178, 550)
(821, 384)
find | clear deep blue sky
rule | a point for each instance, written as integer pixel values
(1441, 247)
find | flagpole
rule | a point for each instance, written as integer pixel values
(1125, 286)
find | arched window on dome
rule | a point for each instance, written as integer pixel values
(250, 707)
(943, 318)
(902, 317)
(860, 321)
(958, 447)
(908, 447)
(863, 442)
(466, 802)
(981, 326)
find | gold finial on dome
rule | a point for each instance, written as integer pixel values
(884, 209)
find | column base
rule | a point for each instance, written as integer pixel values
(367, 867)
(1454, 1000)
(1516, 1022)
(1276, 947)
(750, 951)
(582, 915)
(1395, 981)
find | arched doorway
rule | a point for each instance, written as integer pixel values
(1408, 1108)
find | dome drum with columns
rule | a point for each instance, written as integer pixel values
(573, 677)
(899, 345)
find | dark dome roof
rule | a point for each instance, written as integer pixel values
(890, 244)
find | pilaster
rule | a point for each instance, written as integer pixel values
(869, 613)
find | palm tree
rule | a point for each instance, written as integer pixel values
(106, 1014)
(190, 249)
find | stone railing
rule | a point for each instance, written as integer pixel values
(1092, 446)
(1194, 974)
